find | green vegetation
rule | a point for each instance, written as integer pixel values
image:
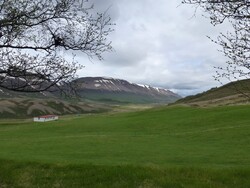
(161, 147)
(16, 174)
(231, 93)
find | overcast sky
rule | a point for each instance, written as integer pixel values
(159, 43)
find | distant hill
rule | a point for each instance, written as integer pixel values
(27, 107)
(121, 91)
(231, 93)
(4, 93)
(96, 94)
(105, 90)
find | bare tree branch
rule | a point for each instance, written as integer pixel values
(34, 34)
(236, 43)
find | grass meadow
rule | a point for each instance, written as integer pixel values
(161, 147)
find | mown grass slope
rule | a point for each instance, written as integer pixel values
(162, 147)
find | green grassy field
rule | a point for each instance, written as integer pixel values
(161, 147)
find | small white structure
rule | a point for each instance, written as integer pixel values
(45, 118)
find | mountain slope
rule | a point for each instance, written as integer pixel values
(117, 90)
(105, 90)
(96, 94)
(27, 107)
(231, 93)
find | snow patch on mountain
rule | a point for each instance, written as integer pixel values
(145, 86)
(97, 85)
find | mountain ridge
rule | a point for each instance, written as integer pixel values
(104, 80)
(111, 88)
(85, 86)
(94, 94)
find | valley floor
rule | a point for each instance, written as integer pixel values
(159, 147)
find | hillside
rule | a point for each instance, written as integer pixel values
(121, 91)
(105, 90)
(28, 107)
(232, 93)
(95, 94)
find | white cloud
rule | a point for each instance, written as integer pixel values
(159, 43)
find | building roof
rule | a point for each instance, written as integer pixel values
(47, 116)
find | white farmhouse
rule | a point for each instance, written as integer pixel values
(45, 118)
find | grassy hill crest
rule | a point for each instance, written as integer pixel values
(237, 92)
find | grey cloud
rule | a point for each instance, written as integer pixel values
(159, 44)
(127, 53)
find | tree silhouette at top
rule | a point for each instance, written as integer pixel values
(35, 35)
